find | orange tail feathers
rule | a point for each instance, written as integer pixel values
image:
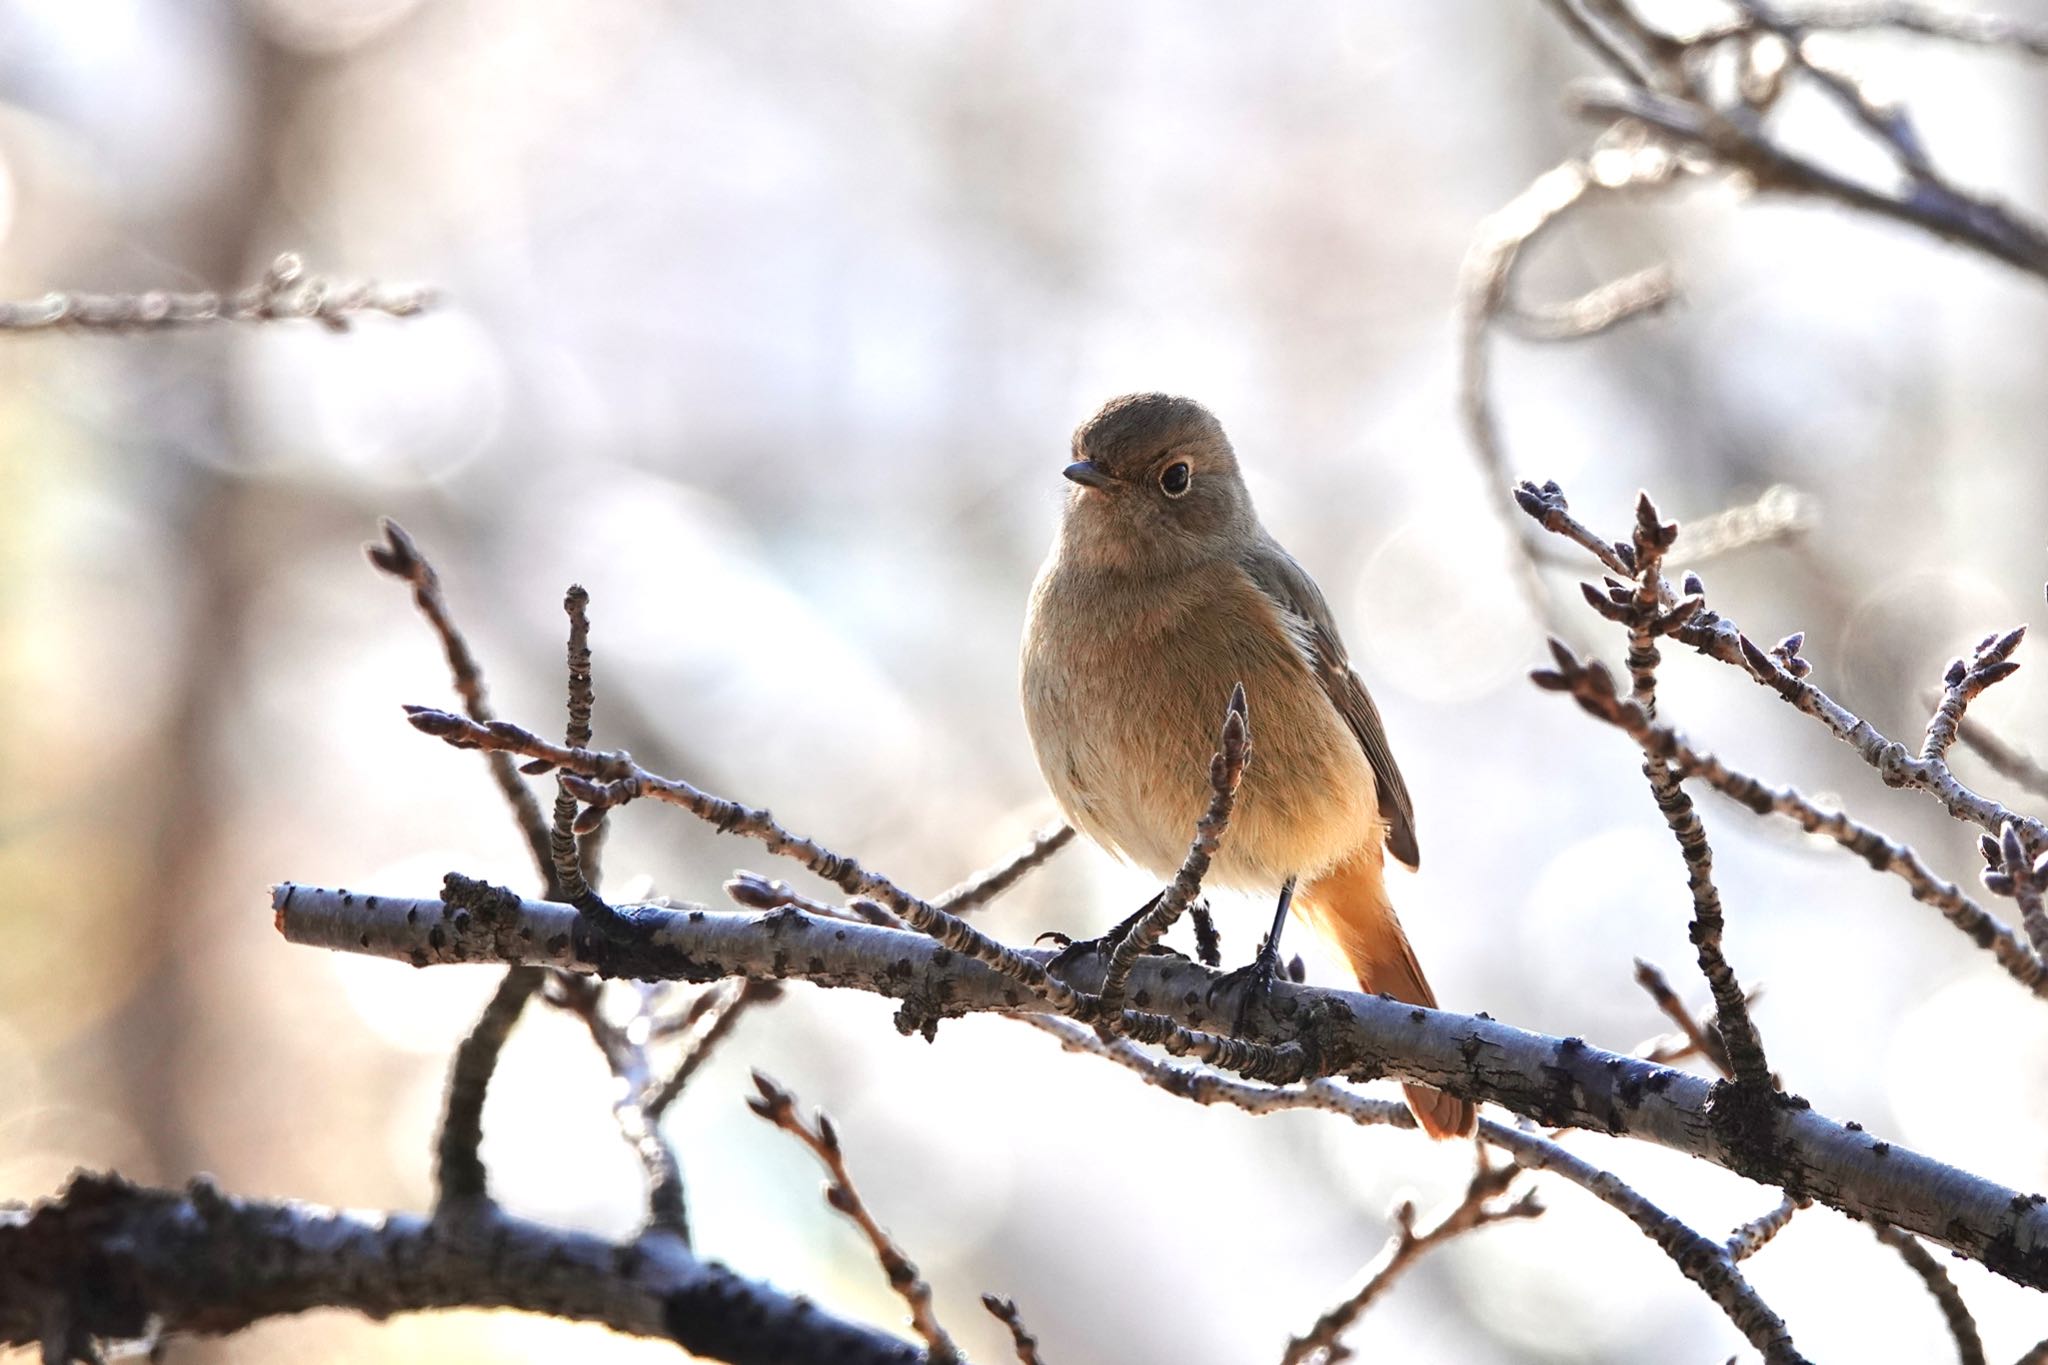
(1348, 905)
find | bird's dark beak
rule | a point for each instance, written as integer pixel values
(1087, 473)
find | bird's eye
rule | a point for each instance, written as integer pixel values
(1175, 478)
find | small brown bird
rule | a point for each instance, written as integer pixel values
(1162, 592)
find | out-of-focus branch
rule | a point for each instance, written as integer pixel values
(286, 291)
(1747, 1240)
(1005, 1312)
(638, 1121)
(1701, 1040)
(985, 885)
(459, 1172)
(778, 1106)
(1703, 1262)
(1961, 1325)
(1320, 1344)
(1486, 295)
(1560, 1082)
(109, 1261)
(2003, 759)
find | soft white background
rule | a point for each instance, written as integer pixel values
(768, 324)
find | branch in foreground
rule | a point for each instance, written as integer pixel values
(984, 886)
(1560, 1082)
(778, 1106)
(111, 1261)
(285, 291)
(1320, 1342)
(1704, 1263)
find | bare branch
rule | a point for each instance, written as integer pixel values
(1320, 1342)
(776, 1105)
(1486, 292)
(1556, 1081)
(458, 1170)
(1226, 770)
(1718, 638)
(607, 779)
(1747, 1240)
(459, 1175)
(564, 856)
(401, 558)
(110, 1260)
(1701, 1040)
(286, 291)
(2006, 761)
(1961, 1326)
(638, 1122)
(984, 886)
(733, 1003)
(1593, 688)
(1701, 1261)
(1005, 1312)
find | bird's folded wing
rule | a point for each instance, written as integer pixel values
(1273, 571)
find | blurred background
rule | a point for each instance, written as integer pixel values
(769, 323)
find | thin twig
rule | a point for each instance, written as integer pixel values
(1594, 689)
(286, 291)
(1747, 1240)
(1486, 293)
(985, 885)
(1702, 1040)
(733, 1004)
(459, 1170)
(2003, 759)
(1226, 770)
(1990, 663)
(1321, 1342)
(1005, 1311)
(1783, 672)
(605, 779)
(564, 855)
(1741, 1045)
(1961, 1326)
(778, 1106)
(1928, 21)
(400, 557)
(1705, 1263)
(638, 1123)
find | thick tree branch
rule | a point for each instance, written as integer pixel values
(112, 1261)
(1561, 1082)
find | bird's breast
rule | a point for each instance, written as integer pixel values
(1124, 687)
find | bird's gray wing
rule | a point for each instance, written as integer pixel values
(1274, 572)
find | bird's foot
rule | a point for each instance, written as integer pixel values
(1072, 950)
(1252, 984)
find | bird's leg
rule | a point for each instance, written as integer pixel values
(1073, 950)
(1254, 980)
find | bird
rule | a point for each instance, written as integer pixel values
(1161, 594)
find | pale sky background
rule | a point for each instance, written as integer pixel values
(768, 323)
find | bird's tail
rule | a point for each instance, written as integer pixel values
(1348, 905)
